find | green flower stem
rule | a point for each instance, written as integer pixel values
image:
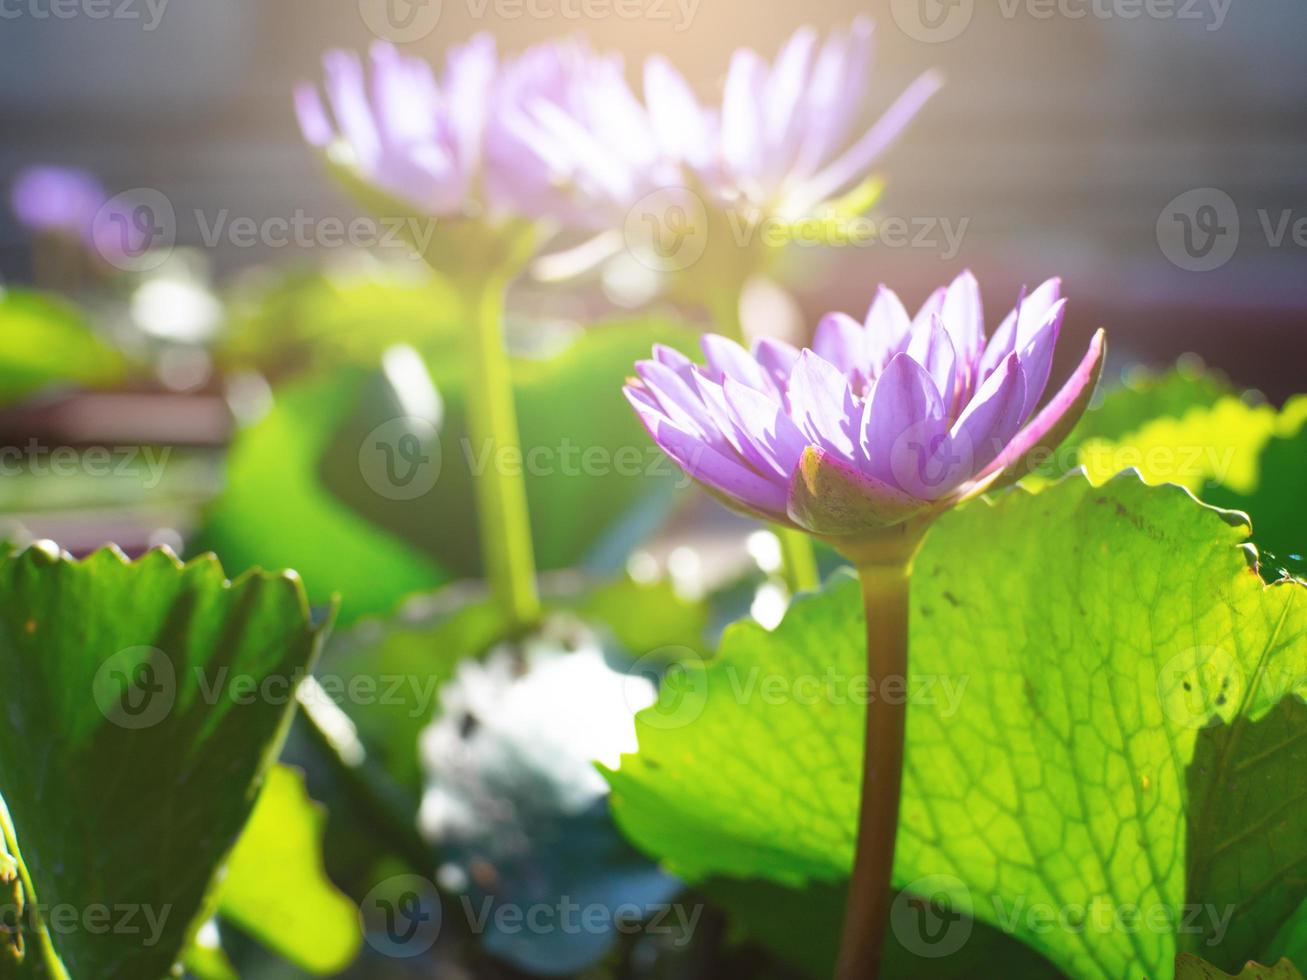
(507, 549)
(886, 577)
(33, 941)
(798, 559)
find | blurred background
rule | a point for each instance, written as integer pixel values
(1065, 132)
(231, 393)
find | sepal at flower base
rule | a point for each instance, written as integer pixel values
(830, 498)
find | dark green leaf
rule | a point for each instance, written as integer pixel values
(143, 703)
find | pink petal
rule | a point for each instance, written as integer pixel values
(675, 114)
(822, 405)
(934, 350)
(1037, 356)
(312, 116)
(964, 317)
(770, 436)
(904, 429)
(777, 359)
(841, 340)
(1019, 326)
(854, 164)
(726, 358)
(741, 115)
(888, 327)
(717, 471)
(1051, 425)
(930, 309)
(993, 417)
(679, 401)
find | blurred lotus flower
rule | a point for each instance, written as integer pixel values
(783, 139)
(515, 803)
(57, 200)
(880, 423)
(554, 133)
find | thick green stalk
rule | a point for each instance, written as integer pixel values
(885, 582)
(798, 559)
(506, 546)
(31, 934)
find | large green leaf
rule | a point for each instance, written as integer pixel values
(1220, 444)
(591, 473)
(1276, 502)
(304, 489)
(143, 702)
(1141, 397)
(276, 513)
(1067, 647)
(275, 887)
(1233, 455)
(45, 341)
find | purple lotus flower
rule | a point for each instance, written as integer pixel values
(879, 422)
(554, 133)
(60, 200)
(783, 139)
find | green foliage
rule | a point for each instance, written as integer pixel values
(138, 735)
(315, 319)
(1247, 831)
(275, 888)
(589, 464)
(1067, 649)
(275, 512)
(1275, 503)
(646, 617)
(46, 342)
(299, 493)
(1140, 398)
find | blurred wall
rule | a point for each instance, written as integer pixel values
(1068, 133)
